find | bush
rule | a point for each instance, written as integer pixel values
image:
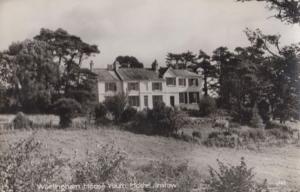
(105, 166)
(24, 166)
(231, 178)
(221, 139)
(66, 109)
(279, 133)
(100, 113)
(22, 121)
(160, 120)
(180, 176)
(275, 125)
(207, 106)
(128, 114)
(116, 105)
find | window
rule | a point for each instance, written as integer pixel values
(156, 86)
(134, 101)
(133, 86)
(193, 82)
(157, 99)
(171, 81)
(181, 82)
(110, 87)
(146, 101)
(193, 97)
(183, 97)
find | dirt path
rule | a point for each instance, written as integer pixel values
(280, 165)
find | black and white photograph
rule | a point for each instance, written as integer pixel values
(149, 95)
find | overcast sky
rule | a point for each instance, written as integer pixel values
(146, 29)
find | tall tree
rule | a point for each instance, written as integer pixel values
(286, 10)
(203, 62)
(181, 60)
(69, 52)
(29, 74)
(129, 62)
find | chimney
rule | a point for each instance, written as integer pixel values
(110, 67)
(91, 65)
(116, 65)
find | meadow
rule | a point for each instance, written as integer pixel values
(279, 164)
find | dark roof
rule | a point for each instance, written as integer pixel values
(128, 74)
(178, 72)
(106, 75)
(184, 73)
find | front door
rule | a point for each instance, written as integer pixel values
(172, 101)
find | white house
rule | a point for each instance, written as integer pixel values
(144, 87)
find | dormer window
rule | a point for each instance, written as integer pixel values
(171, 81)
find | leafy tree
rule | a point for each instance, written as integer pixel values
(180, 61)
(27, 68)
(66, 109)
(69, 51)
(208, 70)
(287, 10)
(116, 105)
(129, 62)
(226, 65)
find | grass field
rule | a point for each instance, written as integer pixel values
(280, 165)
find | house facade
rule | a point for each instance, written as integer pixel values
(145, 87)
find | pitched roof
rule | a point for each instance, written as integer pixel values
(106, 75)
(179, 72)
(184, 73)
(128, 74)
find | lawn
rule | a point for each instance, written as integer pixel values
(280, 165)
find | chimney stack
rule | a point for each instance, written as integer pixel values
(91, 65)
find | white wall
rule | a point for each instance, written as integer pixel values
(101, 91)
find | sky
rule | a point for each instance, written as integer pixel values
(146, 29)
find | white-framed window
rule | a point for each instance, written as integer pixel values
(183, 97)
(110, 86)
(181, 82)
(146, 101)
(156, 86)
(171, 81)
(193, 82)
(134, 101)
(133, 86)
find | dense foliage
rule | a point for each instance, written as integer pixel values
(66, 109)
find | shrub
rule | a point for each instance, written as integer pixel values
(100, 113)
(22, 121)
(231, 178)
(275, 125)
(221, 139)
(180, 176)
(24, 166)
(66, 109)
(128, 114)
(207, 105)
(116, 105)
(105, 166)
(279, 133)
(161, 120)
